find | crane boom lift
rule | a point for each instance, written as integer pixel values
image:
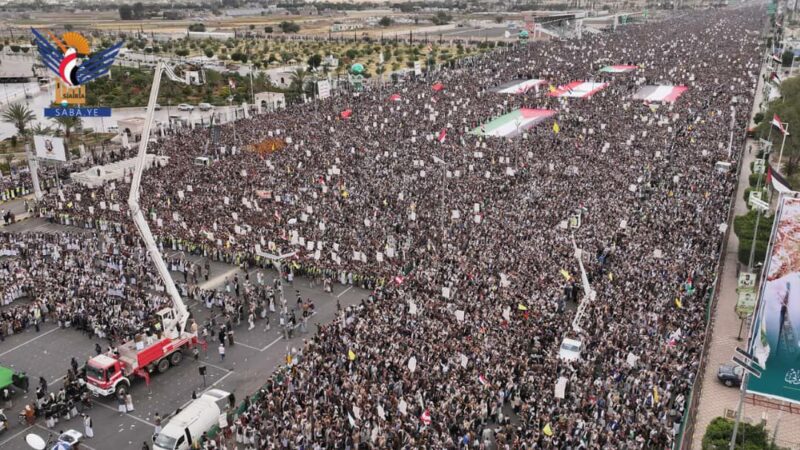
(181, 313)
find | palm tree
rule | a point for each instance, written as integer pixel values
(19, 115)
(298, 78)
(41, 129)
(68, 123)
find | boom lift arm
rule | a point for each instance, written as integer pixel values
(182, 314)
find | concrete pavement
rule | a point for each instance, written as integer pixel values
(246, 367)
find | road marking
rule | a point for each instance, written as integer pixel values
(28, 342)
(127, 414)
(237, 344)
(208, 388)
(11, 438)
(217, 367)
(344, 292)
(50, 432)
(216, 281)
(271, 344)
(56, 380)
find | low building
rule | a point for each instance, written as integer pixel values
(270, 101)
(337, 27)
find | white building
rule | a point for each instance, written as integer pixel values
(270, 101)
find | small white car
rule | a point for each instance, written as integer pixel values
(205, 106)
(185, 107)
(570, 350)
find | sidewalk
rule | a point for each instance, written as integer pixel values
(715, 398)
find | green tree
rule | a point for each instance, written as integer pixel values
(498, 19)
(749, 437)
(209, 52)
(786, 58)
(19, 115)
(314, 61)
(138, 11)
(182, 52)
(68, 124)
(197, 27)
(298, 80)
(268, 30)
(385, 21)
(289, 27)
(441, 18)
(126, 12)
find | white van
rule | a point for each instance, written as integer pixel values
(187, 426)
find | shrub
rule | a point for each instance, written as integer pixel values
(749, 437)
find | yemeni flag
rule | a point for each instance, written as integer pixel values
(395, 98)
(578, 89)
(442, 136)
(437, 86)
(660, 93)
(482, 379)
(775, 78)
(776, 121)
(618, 69)
(346, 113)
(777, 59)
(520, 86)
(513, 123)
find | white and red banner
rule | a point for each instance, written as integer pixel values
(578, 89)
(661, 93)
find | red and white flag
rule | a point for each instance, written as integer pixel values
(442, 136)
(426, 417)
(483, 380)
(776, 121)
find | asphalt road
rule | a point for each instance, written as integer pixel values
(246, 367)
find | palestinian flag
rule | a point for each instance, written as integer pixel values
(579, 89)
(618, 69)
(517, 87)
(442, 136)
(513, 123)
(662, 93)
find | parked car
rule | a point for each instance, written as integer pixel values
(185, 107)
(205, 106)
(157, 107)
(730, 374)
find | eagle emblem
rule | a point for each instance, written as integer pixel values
(63, 57)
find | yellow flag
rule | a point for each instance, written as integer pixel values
(565, 274)
(351, 355)
(288, 359)
(547, 430)
(655, 395)
(678, 303)
(556, 128)
(522, 307)
(610, 276)
(552, 88)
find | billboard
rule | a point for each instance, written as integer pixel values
(49, 147)
(776, 326)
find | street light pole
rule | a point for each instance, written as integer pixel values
(785, 131)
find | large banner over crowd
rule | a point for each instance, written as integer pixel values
(775, 341)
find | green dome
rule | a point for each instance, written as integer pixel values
(357, 68)
(523, 34)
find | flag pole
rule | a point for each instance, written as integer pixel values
(785, 132)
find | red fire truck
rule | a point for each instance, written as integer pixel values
(112, 373)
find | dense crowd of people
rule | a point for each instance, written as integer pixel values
(468, 244)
